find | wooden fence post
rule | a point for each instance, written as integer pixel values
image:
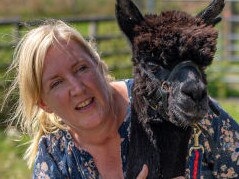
(17, 30)
(92, 29)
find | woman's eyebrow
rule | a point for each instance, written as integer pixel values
(77, 63)
(50, 78)
(81, 60)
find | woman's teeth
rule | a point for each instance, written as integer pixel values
(84, 104)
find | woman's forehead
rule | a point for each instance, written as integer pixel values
(63, 46)
(70, 49)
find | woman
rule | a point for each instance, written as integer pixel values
(70, 105)
(79, 118)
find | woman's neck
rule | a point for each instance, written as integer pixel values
(97, 136)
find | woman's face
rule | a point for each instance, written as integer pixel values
(73, 88)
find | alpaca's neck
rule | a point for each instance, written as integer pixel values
(173, 146)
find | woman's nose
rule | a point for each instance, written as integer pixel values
(77, 87)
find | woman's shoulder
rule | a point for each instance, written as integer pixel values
(125, 83)
(56, 142)
(124, 86)
(51, 155)
(56, 135)
(58, 157)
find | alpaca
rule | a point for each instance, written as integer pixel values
(170, 54)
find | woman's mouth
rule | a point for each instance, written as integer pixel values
(84, 104)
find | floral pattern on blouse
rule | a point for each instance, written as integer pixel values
(59, 158)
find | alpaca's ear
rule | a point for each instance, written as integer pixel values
(128, 15)
(210, 14)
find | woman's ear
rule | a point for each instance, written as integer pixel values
(44, 106)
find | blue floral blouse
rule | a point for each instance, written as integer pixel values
(59, 158)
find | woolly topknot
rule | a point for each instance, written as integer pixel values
(173, 37)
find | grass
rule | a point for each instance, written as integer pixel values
(231, 106)
(12, 164)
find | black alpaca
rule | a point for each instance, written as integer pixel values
(170, 54)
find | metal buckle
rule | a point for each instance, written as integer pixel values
(196, 134)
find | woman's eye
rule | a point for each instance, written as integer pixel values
(82, 68)
(55, 83)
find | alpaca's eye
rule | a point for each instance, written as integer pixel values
(152, 66)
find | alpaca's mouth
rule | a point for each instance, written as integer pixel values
(185, 118)
(187, 112)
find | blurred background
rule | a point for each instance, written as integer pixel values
(96, 21)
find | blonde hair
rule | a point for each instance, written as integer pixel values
(28, 62)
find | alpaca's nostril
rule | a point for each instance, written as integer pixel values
(196, 92)
(197, 95)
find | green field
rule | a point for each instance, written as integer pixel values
(231, 106)
(12, 165)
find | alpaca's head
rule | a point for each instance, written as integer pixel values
(170, 54)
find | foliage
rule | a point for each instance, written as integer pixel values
(28, 9)
(231, 106)
(218, 75)
(12, 164)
